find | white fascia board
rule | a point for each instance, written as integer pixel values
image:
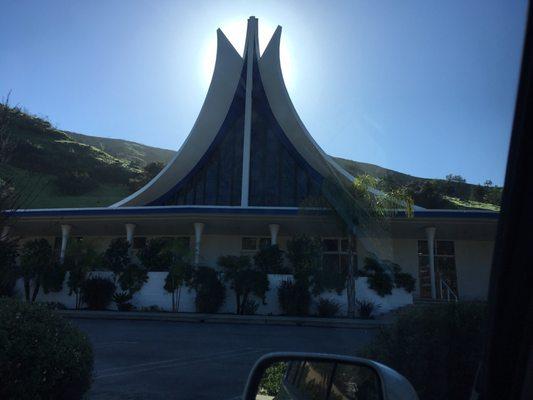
(286, 115)
(219, 97)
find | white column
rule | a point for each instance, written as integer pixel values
(130, 230)
(5, 232)
(274, 229)
(430, 235)
(65, 232)
(250, 49)
(198, 229)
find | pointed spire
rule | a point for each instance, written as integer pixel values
(252, 38)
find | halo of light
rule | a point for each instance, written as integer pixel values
(235, 31)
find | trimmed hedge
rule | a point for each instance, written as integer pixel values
(437, 348)
(42, 356)
(98, 293)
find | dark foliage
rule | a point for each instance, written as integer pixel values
(42, 356)
(270, 260)
(75, 183)
(294, 298)
(244, 279)
(327, 308)
(366, 308)
(116, 258)
(155, 254)
(379, 279)
(404, 280)
(123, 301)
(132, 278)
(210, 292)
(8, 267)
(148, 173)
(39, 269)
(98, 292)
(437, 348)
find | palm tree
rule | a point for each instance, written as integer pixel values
(361, 208)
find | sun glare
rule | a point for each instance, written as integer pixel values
(235, 31)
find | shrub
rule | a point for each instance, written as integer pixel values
(366, 308)
(38, 269)
(405, 281)
(437, 348)
(327, 308)
(379, 280)
(210, 292)
(53, 305)
(116, 257)
(98, 293)
(272, 379)
(132, 278)
(270, 260)
(249, 307)
(294, 298)
(244, 279)
(155, 255)
(42, 356)
(75, 183)
(123, 301)
(8, 267)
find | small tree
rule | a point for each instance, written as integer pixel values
(179, 273)
(80, 257)
(156, 254)
(244, 279)
(117, 256)
(39, 269)
(8, 267)
(270, 260)
(210, 292)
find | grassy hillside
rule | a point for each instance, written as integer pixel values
(55, 168)
(136, 153)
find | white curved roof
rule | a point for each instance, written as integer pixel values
(226, 76)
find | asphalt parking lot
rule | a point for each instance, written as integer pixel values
(177, 360)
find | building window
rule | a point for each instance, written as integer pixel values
(335, 254)
(444, 253)
(255, 243)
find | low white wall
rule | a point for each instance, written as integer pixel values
(152, 293)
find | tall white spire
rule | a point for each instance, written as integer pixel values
(251, 53)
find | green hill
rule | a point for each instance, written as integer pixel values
(136, 153)
(54, 168)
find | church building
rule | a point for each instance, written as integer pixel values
(241, 179)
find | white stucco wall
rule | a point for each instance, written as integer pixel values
(473, 260)
(152, 293)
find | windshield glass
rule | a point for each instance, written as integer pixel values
(185, 187)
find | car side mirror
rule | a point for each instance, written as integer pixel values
(284, 376)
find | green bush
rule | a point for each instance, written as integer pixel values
(42, 356)
(437, 348)
(8, 267)
(327, 308)
(294, 298)
(75, 183)
(244, 279)
(98, 293)
(272, 379)
(270, 260)
(210, 292)
(366, 308)
(405, 281)
(123, 301)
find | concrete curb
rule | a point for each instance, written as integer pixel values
(228, 319)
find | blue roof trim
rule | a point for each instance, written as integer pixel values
(151, 210)
(155, 210)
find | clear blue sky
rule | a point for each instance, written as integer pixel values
(424, 87)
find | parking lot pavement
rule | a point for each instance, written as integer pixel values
(173, 360)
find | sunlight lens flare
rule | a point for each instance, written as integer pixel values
(235, 31)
